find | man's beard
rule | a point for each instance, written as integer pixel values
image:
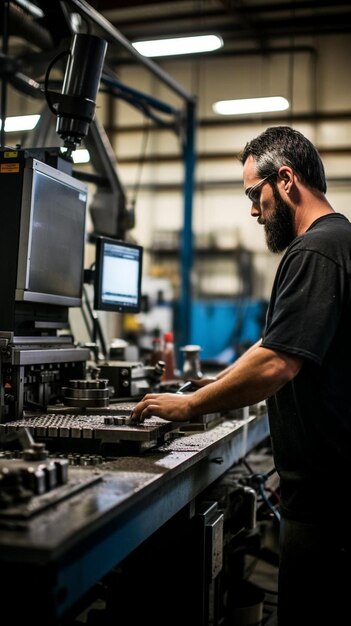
(279, 228)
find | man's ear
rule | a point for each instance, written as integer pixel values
(286, 174)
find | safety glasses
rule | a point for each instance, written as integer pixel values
(254, 193)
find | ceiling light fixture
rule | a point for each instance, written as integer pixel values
(20, 122)
(250, 105)
(178, 45)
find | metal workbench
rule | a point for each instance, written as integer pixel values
(50, 560)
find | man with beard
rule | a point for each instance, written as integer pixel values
(302, 367)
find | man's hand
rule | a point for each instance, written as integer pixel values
(170, 406)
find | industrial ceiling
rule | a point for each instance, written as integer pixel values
(244, 25)
(37, 31)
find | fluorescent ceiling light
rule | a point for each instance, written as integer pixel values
(250, 105)
(20, 122)
(178, 45)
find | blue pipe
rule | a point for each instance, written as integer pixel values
(183, 320)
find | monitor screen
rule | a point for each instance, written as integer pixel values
(52, 237)
(118, 270)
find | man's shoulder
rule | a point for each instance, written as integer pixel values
(326, 230)
(329, 223)
(329, 236)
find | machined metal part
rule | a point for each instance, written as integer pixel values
(85, 394)
(21, 479)
(92, 384)
(87, 401)
(76, 479)
(82, 393)
(129, 378)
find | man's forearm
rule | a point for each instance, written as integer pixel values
(258, 374)
(230, 367)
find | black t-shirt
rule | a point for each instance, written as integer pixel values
(310, 418)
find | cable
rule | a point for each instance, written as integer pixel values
(264, 497)
(47, 77)
(260, 480)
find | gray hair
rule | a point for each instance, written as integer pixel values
(282, 145)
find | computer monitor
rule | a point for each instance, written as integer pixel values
(52, 237)
(117, 280)
(42, 242)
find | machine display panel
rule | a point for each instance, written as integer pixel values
(118, 271)
(52, 237)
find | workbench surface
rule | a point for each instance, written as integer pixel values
(69, 546)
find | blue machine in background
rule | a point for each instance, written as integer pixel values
(226, 328)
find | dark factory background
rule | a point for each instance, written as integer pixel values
(130, 158)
